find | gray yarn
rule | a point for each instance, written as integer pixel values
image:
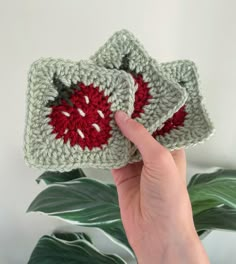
(167, 96)
(41, 148)
(110, 69)
(197, 125)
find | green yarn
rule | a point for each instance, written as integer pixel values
(197, 125)
(64, 92)
(41, 148)
(171, 85)
(124, 51)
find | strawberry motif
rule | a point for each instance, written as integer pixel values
(84, 119)
(157, 97)
(177, 120)
(70, 115)
(141, 96)
(141, 99)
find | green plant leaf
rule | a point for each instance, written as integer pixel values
(71, 237)
(203, 205)
(50, 177)
(214, 189)
(117, 232)
(50, 250)
(85, 202)
(216, 218)
(220, 174)
(203, 233)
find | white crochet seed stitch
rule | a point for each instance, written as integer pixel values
(197, 125)
(167, 97)
(41, 148)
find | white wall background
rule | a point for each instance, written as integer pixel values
(200, 30)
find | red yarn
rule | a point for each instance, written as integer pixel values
(174, 122)
(87, 122)
(141, 96)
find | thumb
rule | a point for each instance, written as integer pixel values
(157, 160)
(149, 148)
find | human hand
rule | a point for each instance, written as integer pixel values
(155, 206)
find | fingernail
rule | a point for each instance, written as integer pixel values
(122, 116)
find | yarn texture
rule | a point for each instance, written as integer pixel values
(163, 96)
(81, 132)
(191, 124)
(71, 105)
(196, 125)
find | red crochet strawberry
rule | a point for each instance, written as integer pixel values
(141, 99)
(157, 97)
(84, 118)
(142, 95)
(177, 120)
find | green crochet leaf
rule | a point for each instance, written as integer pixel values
(85, 202)
(64, 92)
(51, 250)
(50, 177)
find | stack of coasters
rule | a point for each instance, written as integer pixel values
(191, 124)
(71, 106)
(157, 98)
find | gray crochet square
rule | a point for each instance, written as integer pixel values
(42, 149)
(124, 52)
(197, 126)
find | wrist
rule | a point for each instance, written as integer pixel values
(184, 249)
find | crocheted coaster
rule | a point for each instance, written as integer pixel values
(156, 98)
(191, 123)
(70, 108)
